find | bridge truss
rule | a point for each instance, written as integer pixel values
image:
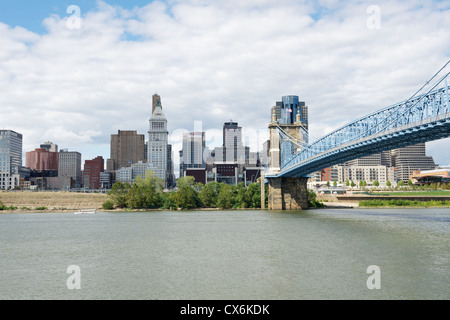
(423, 117)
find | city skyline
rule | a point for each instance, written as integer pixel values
(210, 62)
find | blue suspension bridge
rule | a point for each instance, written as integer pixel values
(425, 116)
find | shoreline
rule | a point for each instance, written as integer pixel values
(64, 201)
(18, 211)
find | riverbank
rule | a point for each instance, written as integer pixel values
(380, 203)
(417, 200)
(332, 201)
(62, 201)
(24, 201)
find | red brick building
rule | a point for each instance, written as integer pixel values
(91, 172)
(325, 174)
(41, 159)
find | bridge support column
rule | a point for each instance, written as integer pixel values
(288, 194)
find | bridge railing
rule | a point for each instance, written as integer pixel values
(418, 108)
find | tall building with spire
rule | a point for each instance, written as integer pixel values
(156, 101)
(157, 153)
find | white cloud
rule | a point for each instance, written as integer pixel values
(213, 61)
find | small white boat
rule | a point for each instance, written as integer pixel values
(86, 211)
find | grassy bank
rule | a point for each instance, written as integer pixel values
(412, 193)
(38, 201)
(403, 203)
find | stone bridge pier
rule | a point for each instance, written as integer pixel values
(285, 193)
(288, 194)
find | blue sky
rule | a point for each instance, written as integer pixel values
(30, 14)
(210, 61)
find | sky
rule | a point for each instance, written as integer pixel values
(75, 72)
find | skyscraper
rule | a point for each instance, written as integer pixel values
(91, 172)
(232, 134)
(42, 159)
(406, 160)
(127, 147)
(10, 159)
(287, 109)
(192, 151)
(158, 140)
(69, 166)
(171, 181)
(233, 158)
(232, 150)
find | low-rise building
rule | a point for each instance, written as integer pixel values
(421, 177)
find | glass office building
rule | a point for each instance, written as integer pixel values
(286, 110)
(10, 159)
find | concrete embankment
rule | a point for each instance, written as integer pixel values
(332, 201)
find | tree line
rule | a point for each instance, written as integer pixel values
(401, 185)
(147, 193)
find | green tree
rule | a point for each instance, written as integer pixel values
(352, 184)
(198, 186)
(347, 183)
(108, 205)
(266, 197)
(169, 200)
(254, 195)
(209, 193)
(328, 183)
(241, 196)
(118, 194)
(185, 181)
(335, 183)
(410, 183)
(312, 200)
(388, 184)
(400, 183)
(146, 192)
(376, 183)
(225, 199)
(187, 196)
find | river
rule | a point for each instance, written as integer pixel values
(220, 255)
